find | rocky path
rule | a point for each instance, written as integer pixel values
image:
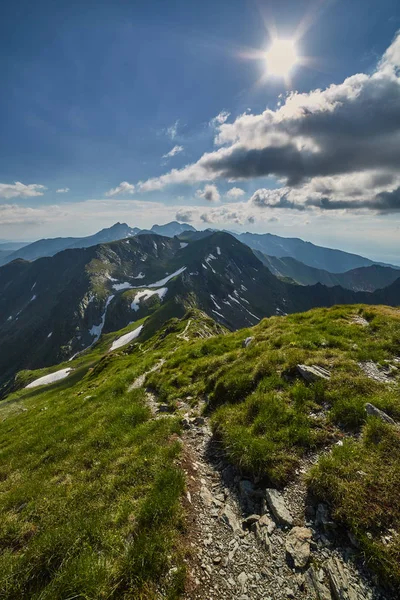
(251, 543)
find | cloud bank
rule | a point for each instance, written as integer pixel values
(332, 149)
(19, 190)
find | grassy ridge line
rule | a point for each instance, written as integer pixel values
(89, 484)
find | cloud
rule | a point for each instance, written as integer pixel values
(20, 190)
(210, 193)
(62, 190)
(235, 193)
(185, 215)
(175, 150)
(172, 131)
(123, 188)
(220, 118)
(348, 130)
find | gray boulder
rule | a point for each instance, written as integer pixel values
(376, 412)
(278, 508)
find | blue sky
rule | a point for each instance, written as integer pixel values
(98, 93)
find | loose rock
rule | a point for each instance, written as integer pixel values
(376, 412)
(278, 508)
(298, 546)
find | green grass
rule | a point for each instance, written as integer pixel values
(361, 481)
(266, 424)
(90, 487)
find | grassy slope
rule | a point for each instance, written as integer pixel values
(89, 484)
(266, 424)
(90, 487)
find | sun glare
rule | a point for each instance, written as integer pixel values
(281, 57)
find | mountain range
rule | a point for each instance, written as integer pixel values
(317, 257)
(55, 307)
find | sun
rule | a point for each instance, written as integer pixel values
(281, 57)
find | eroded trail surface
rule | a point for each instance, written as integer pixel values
(247, 542)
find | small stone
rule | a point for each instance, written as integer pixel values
(265, 521)
(228, 516)
(242, 579)
(289, 593)
(216, 560)
(247, 342)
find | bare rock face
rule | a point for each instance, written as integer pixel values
(278, 508)
(298, 546)
(338, 580)
(315, 581)
(376, 412)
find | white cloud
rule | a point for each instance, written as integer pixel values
(172, 131)
(209, 192)
(235, 193)
(123, 188)
(20, 190)
(220, 118)
(175, 150)
(62, 190)
(344, 132)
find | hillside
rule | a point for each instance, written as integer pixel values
(363, 279)
(54, 307)
(113, 485)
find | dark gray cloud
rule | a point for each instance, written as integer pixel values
(185, 216)
(347, 130)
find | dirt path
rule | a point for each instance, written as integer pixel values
(238, 540)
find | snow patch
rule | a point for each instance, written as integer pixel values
(33, 298)
(218, 250)
(140, 276)
(97, 329)
(145, 295)
(47, 379)
(50, 334)
(217, 313)
(166, 279)
(33, 287)
(213, 300)
(125, 285)
(183, 244)
(125, 339)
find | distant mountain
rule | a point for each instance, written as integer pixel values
(54, 307)
(363, 279)
(11, 246)
(172, 229)
(334, 261)
(50, 247)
